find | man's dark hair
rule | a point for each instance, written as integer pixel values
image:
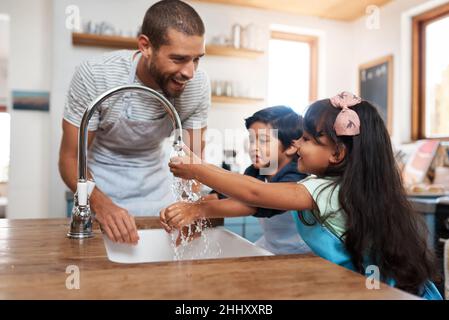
(167, 14)
(284, 119)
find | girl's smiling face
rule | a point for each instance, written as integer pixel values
(314, 157)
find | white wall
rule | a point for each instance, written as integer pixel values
(393, 37)
(29, 69)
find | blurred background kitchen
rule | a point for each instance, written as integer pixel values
(259, 53)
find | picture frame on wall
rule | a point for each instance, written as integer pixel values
(375, 82)
(31, 100)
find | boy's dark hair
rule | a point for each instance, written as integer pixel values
(284, 119)
(167, 14)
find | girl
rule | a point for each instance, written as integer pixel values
(353, 210)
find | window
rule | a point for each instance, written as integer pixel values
(292, 77)
(430, 115)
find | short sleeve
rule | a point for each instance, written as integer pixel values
(324, 193)
(81, 93)
(198, 119)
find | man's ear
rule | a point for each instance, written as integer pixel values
(144, 46)
(291, 151)
(338, 155)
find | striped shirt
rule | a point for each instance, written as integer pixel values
(93, 77)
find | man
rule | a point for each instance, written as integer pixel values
(125, 134)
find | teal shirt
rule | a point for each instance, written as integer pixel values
(328, 209)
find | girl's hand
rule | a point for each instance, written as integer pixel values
(163, 221)
(182, 167)
(179, 214)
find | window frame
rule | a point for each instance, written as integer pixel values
(419, 24)
(312, 41)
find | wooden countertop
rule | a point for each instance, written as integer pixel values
(34, 255)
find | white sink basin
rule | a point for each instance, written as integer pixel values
(155, 245)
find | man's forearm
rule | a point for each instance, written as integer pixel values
(69, 172)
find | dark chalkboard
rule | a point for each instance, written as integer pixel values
(375, 85)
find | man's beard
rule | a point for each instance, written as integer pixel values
(162, 81)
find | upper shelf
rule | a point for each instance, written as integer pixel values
(118, 42)
(95, 40)
(237, 100)
(216, 50)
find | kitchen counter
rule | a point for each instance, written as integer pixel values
(34, 255)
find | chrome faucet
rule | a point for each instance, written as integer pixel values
(81, 223)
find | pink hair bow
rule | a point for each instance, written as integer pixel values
(347, 122)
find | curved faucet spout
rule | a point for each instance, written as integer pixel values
(81, 223)
(82, 135)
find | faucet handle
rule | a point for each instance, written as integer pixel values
(81, 190)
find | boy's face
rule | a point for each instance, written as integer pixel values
(264, 147)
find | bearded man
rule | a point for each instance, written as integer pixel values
(126, 157)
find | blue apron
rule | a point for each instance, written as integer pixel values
(280, 235)
(328, 246)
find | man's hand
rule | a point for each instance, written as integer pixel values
(115, 221)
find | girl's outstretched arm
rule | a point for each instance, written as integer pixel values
(281, 196)
(184, 213)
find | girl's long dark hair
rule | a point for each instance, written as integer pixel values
(381, 225)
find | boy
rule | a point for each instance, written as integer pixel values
(272, 132)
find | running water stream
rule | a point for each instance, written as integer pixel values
(184, 190)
